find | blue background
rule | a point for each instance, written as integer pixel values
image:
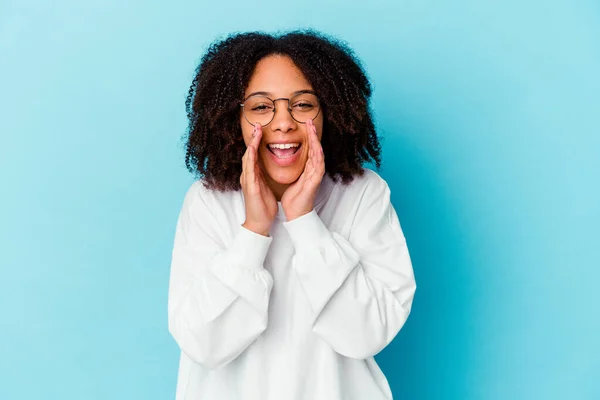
(490, 117)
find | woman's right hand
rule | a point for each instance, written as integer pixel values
(259, 200)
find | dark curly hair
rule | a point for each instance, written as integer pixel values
(214, 142)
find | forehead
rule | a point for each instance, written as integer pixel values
(277, 75)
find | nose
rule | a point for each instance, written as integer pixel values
(282, 120)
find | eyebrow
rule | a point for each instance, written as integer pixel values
(271, 94)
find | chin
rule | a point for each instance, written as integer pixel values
(284, 176)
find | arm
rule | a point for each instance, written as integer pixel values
(360, 289)
(218, 294)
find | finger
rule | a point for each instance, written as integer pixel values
(256, 168)
(250, 163)
(255, 176)
(245, 156)
(313, 140)
(311, 146)
(257, 135)
(319, 157)
(316, 159)
(248, 160)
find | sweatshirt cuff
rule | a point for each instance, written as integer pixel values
(307, 230)
(249, 248)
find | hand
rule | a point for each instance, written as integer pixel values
(299, 197)
(259, 200)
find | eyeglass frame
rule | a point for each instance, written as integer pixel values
(288, 107)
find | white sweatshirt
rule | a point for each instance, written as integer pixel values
(297, 315)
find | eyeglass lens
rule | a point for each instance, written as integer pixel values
(261, 109)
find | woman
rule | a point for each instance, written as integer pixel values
(290, 270)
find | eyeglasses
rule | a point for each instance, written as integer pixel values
(259, 109)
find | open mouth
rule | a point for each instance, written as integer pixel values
(283, 153)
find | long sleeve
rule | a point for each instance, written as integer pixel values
(361, 288)
(218, 292)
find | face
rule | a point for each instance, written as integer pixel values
(278, 76)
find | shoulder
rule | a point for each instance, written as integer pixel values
(194, 193)
(212, 205)
(373, 179)
(366, 193)
(198, 196)
(367, 185)
(198, 190)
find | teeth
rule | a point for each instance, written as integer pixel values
(283, 146)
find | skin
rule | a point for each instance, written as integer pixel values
(264, 182)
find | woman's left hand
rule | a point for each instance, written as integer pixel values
(299, 197)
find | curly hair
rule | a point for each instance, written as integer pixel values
(214, 141)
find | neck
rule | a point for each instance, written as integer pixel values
(277, 188)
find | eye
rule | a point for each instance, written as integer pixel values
(302, 106)
(261, 108)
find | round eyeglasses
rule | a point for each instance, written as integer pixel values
(260, 109)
